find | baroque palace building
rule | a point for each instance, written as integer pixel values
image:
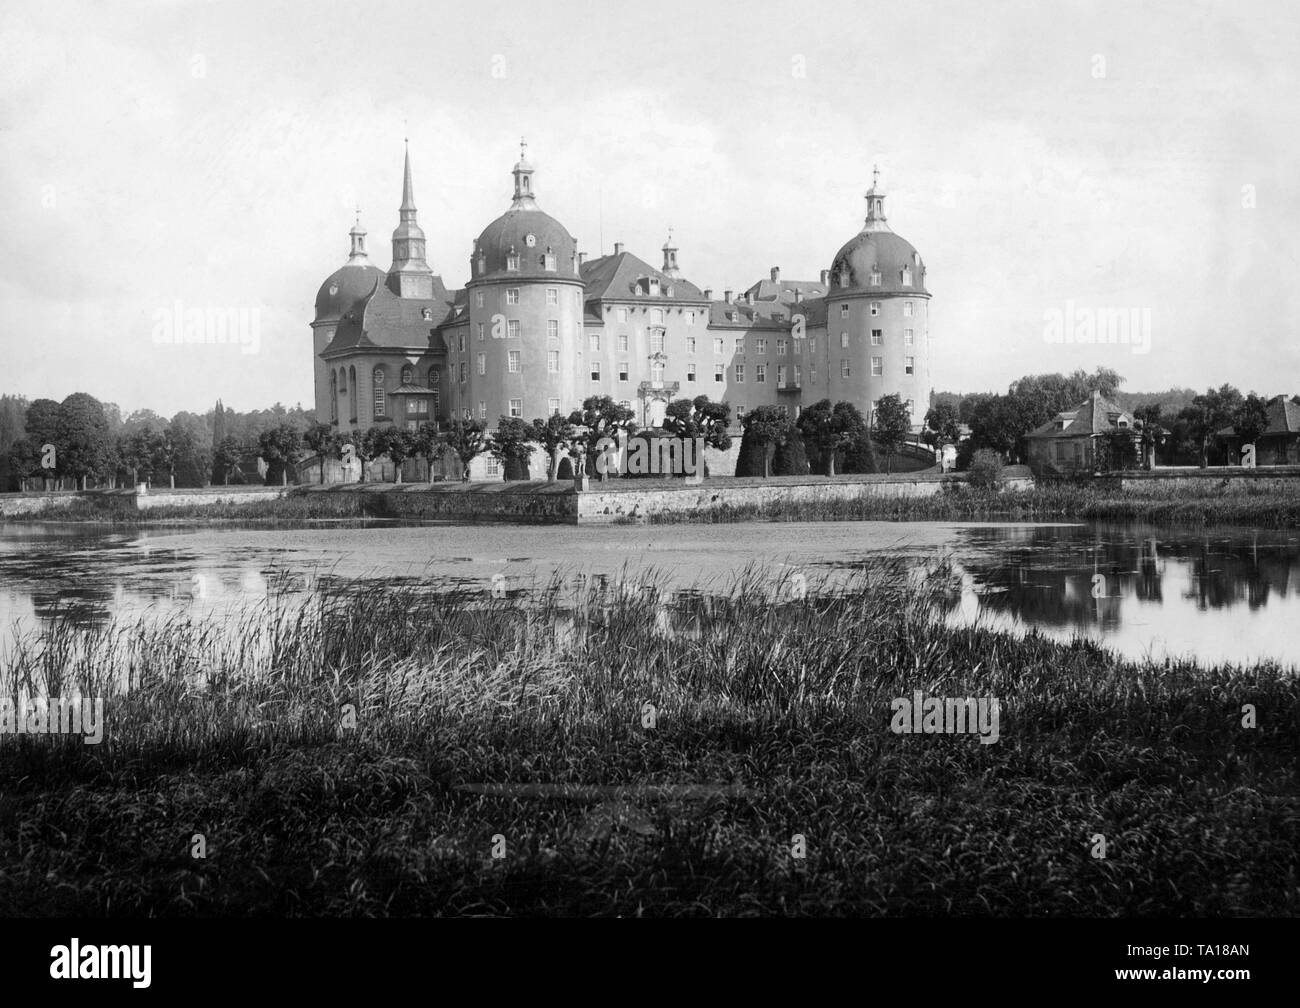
(538, 328)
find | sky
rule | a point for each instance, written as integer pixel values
(1048, 160)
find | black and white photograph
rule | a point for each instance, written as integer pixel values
(691, 460)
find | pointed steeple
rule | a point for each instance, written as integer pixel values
(875, 204)
(523, 173)
(358, 255)
(670, 258)
(410, 275)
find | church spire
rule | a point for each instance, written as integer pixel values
(410, 275)
(875, 204)
(358, 256)
(523, 173)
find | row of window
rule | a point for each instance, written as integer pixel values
(875, 309)
(904, 277)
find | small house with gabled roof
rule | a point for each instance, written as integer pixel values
(1074, 442)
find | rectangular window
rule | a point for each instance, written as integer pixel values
(512, 328)
(512, 295)
(812, 346)
(690, 372)
(740, 345)
(656, 374)
(464, 372)
(478, 298)
(625, 403)
(553, 406)
(552, 329)
(552, 362)
(593, 342)
(844, 339)
(595, 370)
(760, 372)
(844, 367)
(512, 263)
(512, 361)
(740, 374)
(877, 337)
(482, 410)
(516, 407)
(480, 332)
(719, 374)
(717, 346)
(877, 366)
(622, 371)
(552, 296)
(622, 342)
(548, 262)
(909, 364)
(875, 307)
(740, 412)
(909, 337)
(762, 346)
(812, 376)
(690, 344)
(907, 276)
(781, 347)
(657, 316)
(657, 341)
(461, 340)
(796, 376)
(907, 309)
(493, 466)
(482, 363)
(690, 318)
(844, 311)
(620, 314)
(780, 376)
(875, 278)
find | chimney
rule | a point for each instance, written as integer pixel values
(798, 295)
(726, 296)
(749, 297)
(708, 293)
(618, 248)
(776, 273)
(582, 259)
(826, 278)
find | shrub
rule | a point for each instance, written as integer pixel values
(985, 468)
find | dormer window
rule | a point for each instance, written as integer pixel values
(654, 286)
(482, 264)
(669, 291)
(875, 277)
(427, 314)
(512, 260)
(907, 276)
(842, 278)
(548, 260)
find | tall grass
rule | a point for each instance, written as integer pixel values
(239, 732)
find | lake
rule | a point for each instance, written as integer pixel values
(1217, 595)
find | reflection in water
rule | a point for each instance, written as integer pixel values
(1220, 595)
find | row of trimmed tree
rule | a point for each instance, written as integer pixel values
(827, 438)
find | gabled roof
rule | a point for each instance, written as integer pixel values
(614, 277)
(1283, 416)
(745, 317)
(784, 290)
(1089, 418)
(382, 319)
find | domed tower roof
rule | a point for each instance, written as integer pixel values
(524, 237)
(352, 282)
(876, 260)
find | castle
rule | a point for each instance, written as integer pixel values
(538, 328)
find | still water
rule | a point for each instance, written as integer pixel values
(1217, 595)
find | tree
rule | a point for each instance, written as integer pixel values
(767, 427)
(82, 441)
(893, 424)
(139, 451)
(830, 429)
(23, 459)
(399, 445)
(555, 434)
(219, 435)
(225, 461)
(600, 417)
(278, 445)
(430, 445)
(1250, 419)
(699, 418)
(512, 445)
(1210, 413)
(942, 424)
(465, 438)
(319, 437)
(790, 458)
(860, 455)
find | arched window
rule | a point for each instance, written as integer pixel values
(407, 374)
(380, 391)
(334, 396)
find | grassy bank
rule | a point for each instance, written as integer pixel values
(1052, 502)
(239, 734)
